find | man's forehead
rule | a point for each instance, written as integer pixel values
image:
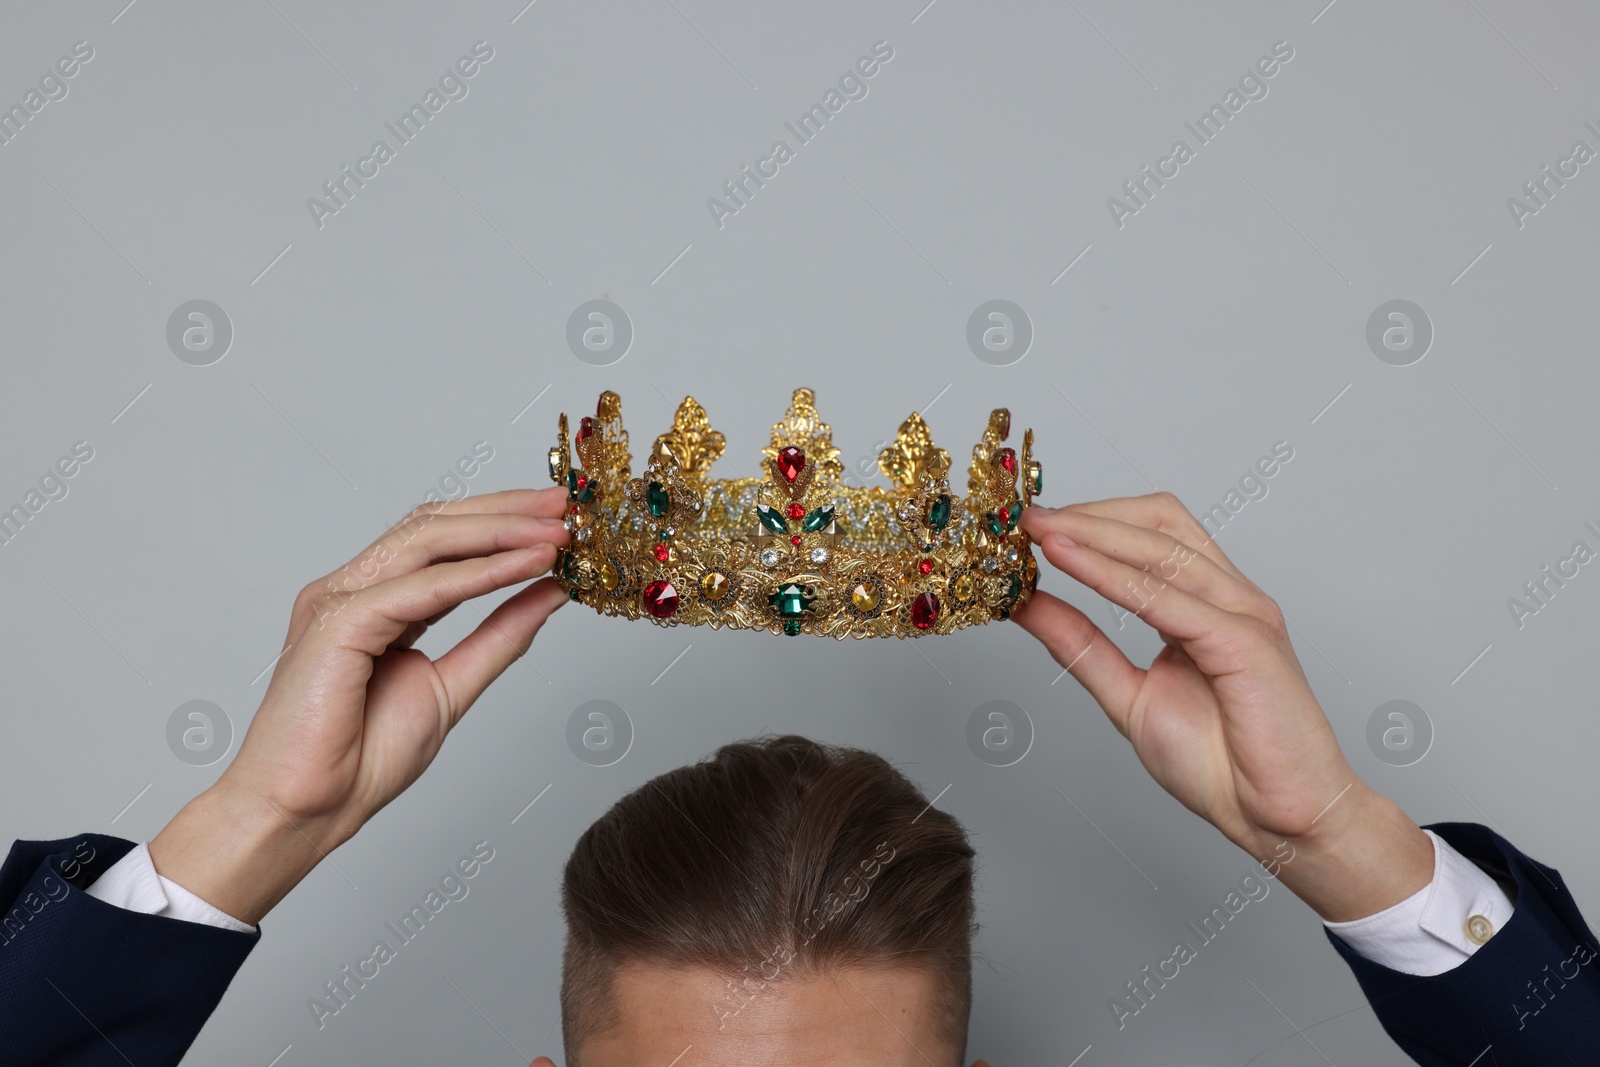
(843, 1017)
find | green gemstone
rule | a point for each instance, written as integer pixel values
(655, 496)
(581, 495)
(772, 518)
(663, 536)
(790, 600)
(939, 512)
(992, 520)
(1013, 586)
(791, 627)
(818, 519)
(1038, 478)
(572, 594)
(1013, 513)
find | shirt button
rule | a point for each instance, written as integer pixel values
(1479, 929)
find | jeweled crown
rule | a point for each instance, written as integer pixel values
(796, 550)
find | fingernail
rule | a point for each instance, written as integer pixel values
(1063, 540)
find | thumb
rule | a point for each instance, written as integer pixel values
(499, 641)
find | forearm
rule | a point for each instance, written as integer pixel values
(1362, 856)
(234, 849)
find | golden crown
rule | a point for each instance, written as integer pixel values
(795, 550)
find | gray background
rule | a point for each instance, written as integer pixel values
(1225, 316)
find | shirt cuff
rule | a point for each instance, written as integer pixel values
(1439, 926)
(132, 883)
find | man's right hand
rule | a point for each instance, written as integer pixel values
(354, 714)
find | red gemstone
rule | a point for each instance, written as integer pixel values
(796, 511)
(1008, 459)
(924, 611)
(791, 461)
(1005, 516)
(795, 540)
(585, 428)
(574, 509)
(925, 566)
(662, 552)
(583, 480)
(660, 599)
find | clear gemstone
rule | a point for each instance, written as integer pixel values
(769, 557)
(1011, 553)
(989, 563)
(819, 555)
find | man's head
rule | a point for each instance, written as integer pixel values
(782, 901)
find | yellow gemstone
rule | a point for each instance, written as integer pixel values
(962, 587)
(715, 585)
(609, 576)
(865, 596)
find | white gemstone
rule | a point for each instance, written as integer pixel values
(819, 555)
(567, 522)
(694, 505)
(990, 563)
(671, 530)
(583, 534)
(769, 557)
(1011, 553)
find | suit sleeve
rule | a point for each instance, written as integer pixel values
(86, 984)
(1531, 992)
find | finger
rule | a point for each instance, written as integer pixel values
(434, 539)
(497, 643)
(372, 618)
(1080, 646)
(1164, 512)
(1159, 553)
(1158, 603)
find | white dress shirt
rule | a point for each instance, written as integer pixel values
(1432, 931)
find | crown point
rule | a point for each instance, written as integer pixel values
(791, 461)
(1005, 422)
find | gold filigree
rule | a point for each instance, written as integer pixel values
(692, 441)
(912, 453)
(804, 428)
(998, 430)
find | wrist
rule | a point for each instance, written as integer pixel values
(1363, 855)
(234, 849)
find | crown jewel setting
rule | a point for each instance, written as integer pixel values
(796, 550)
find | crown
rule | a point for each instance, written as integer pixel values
(795, 550)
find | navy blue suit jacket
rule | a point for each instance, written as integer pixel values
(1532, 993)
(86, 984)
